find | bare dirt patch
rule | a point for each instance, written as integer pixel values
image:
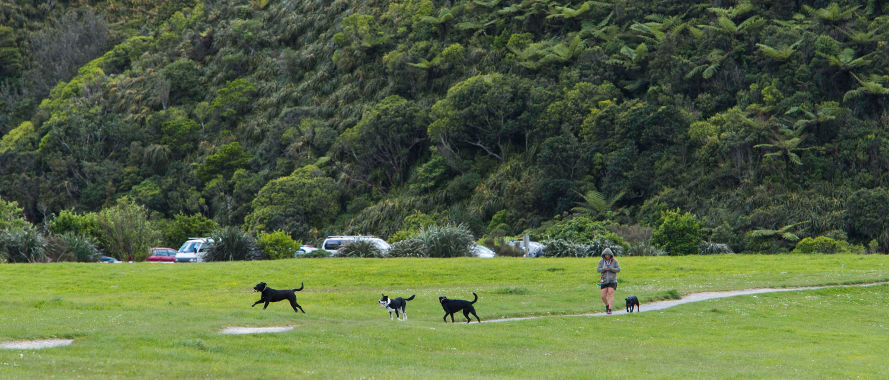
(35, 344)
(254, 330)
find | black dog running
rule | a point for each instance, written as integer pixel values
(275, 295)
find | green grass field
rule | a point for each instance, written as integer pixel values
(162, 321)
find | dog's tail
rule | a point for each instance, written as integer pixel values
(410, 299)
(300, 287)
(474, 299)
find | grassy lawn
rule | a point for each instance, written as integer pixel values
(154, 320)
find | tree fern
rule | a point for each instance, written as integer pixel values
(863, 37)
(708, 69)
(824, 112)
(594, 202)
(486, 4)
(650, 31)
(780, 54)
(444, 15)
(846, 60)
(727, 26)
(832, 13)
(570, 13)
(868, 87)
(783, 233)
(736, 11)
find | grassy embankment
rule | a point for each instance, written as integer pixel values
(154, 321)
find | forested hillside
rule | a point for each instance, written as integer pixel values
(766, 120)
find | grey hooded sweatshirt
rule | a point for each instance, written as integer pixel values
(608, 269)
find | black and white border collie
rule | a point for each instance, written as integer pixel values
(395, 305)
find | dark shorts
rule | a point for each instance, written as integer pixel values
(609, 285)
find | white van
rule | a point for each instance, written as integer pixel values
(334, 243)
(193, 250)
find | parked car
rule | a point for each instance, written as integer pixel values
(161, 255)
(304, 249)
(479, 250)
(334, 243)
(194, 250)
(108, 260)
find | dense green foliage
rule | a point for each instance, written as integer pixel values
(360, 248)
(824, 244)
(678, 233)
(125, 231)
(181, 227)
(276, 245)
(445, 241)
(230, 243)
(766, 120)
(22, 245)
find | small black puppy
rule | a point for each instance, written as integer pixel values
(275, 295)
(395, 305)
(632, 302)
(452, 306)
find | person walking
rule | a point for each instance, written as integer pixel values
(608, 267)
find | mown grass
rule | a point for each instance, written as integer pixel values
(153, 320)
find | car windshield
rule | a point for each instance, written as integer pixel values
(189, 246)
(332, 245)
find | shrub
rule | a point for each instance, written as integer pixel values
(446, 241)
(77, 224)
(124, 230)
(277, 245)
(563, 248)
(230, 243)
(82, 247)
(11, 215)
(316, 254)
(645, 249)
(407, 248)
(579, 229)
(632, 234)
(508, 251)
(677, 233)
(866, 211)
(360, 248)
(824, 244)
(71, 246)
(22, 245)
(411, 226)
(182, 227)
(710, 248)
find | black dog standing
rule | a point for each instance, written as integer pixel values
(452, 306)
(275, 295)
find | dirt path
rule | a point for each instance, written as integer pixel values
(34, 344)
(254, 330)
(693, 297)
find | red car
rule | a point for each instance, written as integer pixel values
(161, 255)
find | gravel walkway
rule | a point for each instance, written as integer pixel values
(693, 297)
